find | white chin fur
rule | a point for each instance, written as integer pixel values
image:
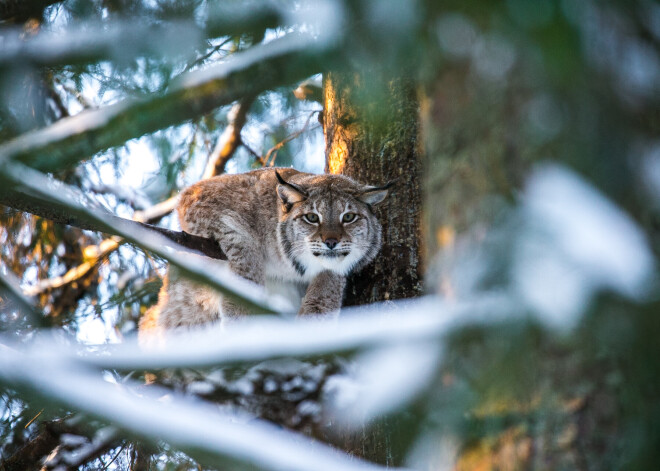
(341, 265)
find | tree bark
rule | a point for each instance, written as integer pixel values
(372, 137)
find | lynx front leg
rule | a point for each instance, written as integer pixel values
(324, 294)
(246, 260)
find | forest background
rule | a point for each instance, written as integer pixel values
(524, 227)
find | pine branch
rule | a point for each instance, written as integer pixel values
(271, 155)
(128, 39)
(248, 73)
(415, 322)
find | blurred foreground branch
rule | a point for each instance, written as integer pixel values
(248, 73)
(128, 39)
(198, 429)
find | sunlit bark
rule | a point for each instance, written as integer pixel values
(373, 139)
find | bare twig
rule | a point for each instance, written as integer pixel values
(200, 60)
(93, 253)
(254, 153)
(114, 458)
(270, 161)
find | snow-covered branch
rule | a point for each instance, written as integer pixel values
(196, 428)
(259, 68)
(126, 40)
(358, 329)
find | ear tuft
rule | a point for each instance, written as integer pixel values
(375, 195)
(288, 192)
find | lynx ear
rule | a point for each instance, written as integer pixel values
(375, 195)
(289, 193)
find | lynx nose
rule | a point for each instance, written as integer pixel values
(331, 243)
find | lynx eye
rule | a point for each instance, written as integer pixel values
(311, 218)
(348, 217)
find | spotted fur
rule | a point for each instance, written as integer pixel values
(277, 224)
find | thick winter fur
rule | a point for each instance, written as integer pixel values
(276, 225)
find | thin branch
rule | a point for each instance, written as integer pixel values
(272, 152)
(214, 50)
(247, 73)
(230, 139)
(157, 211)
(114, 458)
(256, 156)
(105, 248)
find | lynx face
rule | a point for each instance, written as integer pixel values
(327, 224)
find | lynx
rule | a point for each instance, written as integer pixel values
(276, 226)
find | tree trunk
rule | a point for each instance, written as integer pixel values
(372, 137)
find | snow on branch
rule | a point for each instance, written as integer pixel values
(198, 429)
(262, 67)
(125, 40)
(67, 200)
(396, 350)
(358, 329)
(93, 43)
